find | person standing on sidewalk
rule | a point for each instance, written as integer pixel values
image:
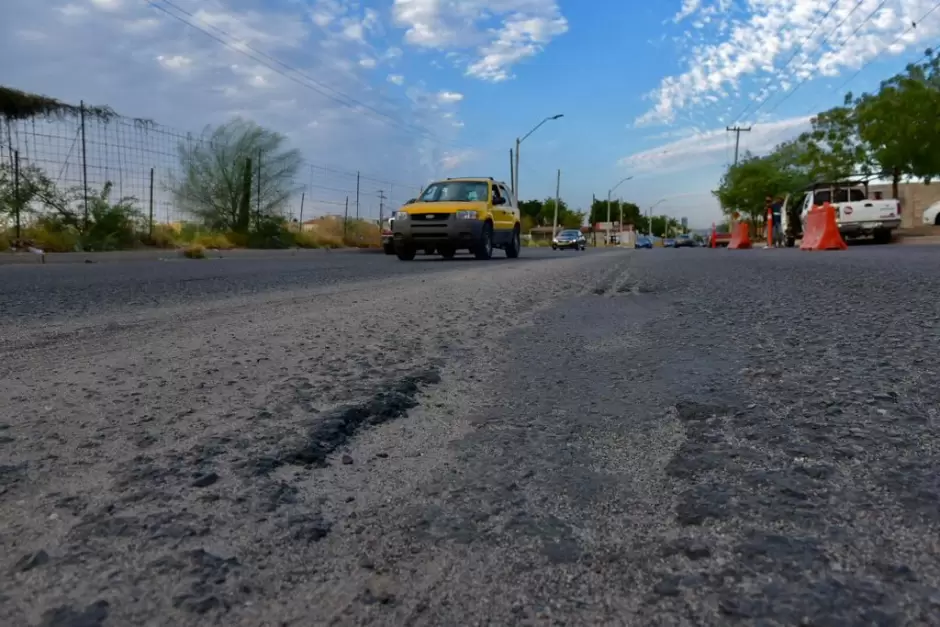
(776, 210)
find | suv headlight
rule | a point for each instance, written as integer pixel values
(468, 215)
(401, 215)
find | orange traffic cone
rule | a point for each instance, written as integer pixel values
(741, 239)
(820, 231)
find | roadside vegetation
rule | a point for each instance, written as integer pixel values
(891, 134)
(234, 188)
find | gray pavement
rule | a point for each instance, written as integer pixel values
(665, 437)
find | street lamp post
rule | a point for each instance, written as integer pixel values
(650, 214)
(515, 183)
(609, 192)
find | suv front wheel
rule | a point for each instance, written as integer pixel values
(484, 248)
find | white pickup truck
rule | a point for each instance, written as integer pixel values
(856, 215)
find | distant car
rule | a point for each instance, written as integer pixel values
(685, 241)
(388, 243)
(669, 243)
(643, 242)
(569, 239)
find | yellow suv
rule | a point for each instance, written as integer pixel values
(473, 213)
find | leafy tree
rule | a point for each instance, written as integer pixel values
(899, 122)
(567, 218)
(231, 157)
(833, 149)
(631, 212)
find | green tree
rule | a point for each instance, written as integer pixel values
(598, 213)
(566, 217)
(834, 150)
(899, 122)
(214, 174)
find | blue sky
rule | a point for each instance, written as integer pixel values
(408, 90)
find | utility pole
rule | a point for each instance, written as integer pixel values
(345, 217)
(515, 183)
(300, 227)
(557, 203)
(512, 175)
(357, 195)
(381, 208)
(737, 130)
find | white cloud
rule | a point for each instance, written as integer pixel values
(449, 96)
(698, 149)
(396, 79)
(368, 62)
(771, 31)
(456, 159)
(350, 118)
(524, 28)
(175, 62)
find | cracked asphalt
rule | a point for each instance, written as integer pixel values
(665, 437)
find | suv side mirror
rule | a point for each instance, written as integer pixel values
(499, 200)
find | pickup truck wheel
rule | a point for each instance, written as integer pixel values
(515, 245)
(406, 253)
(484, 248)
(883, 236)
(791, 242)
(389, 248)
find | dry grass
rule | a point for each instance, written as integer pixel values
(194, 251)
(313, 239)
(214, 241)
(329, 233)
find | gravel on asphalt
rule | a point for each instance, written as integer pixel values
(665, 437)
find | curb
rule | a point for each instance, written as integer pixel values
(131, 256)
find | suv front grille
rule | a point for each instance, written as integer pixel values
(424, 218)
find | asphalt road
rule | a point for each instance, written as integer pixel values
(665, 437)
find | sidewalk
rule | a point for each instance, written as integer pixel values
(129, 256)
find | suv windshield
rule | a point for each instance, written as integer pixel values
(455, 191)
(569, 234)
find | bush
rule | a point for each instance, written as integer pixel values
(214, 241)
(271, 233)
(4, 242)
(163, 236)
(52, 236)
(194, 251)
(313, 239)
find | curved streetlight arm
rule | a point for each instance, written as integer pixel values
(519, 140)
(539, 125)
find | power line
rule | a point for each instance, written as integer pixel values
(317, 87)
(910, 28)
(809, 75)
(796, 52)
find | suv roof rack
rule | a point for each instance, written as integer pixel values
(458, 178)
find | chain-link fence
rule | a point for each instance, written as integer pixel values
(67, 160)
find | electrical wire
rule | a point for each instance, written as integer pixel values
(796, 52)
(913, 26)
(242, 48)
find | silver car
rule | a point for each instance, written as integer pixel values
(570, 238)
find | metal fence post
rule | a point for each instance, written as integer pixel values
(150, 226)
(258, 211)
(84, 168)
(16, 193)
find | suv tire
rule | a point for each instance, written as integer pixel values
(406, 253)
(515, 245)
(484, 248)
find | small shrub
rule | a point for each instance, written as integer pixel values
(214, 241)
(52, 236)
(238, 240)
(4, 242)
(314, 239)
(163, 236)
(194, 251)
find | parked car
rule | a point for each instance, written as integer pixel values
(685, 241)
(669, 242)
(643, 242)
(932, 214)
(569, 239)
